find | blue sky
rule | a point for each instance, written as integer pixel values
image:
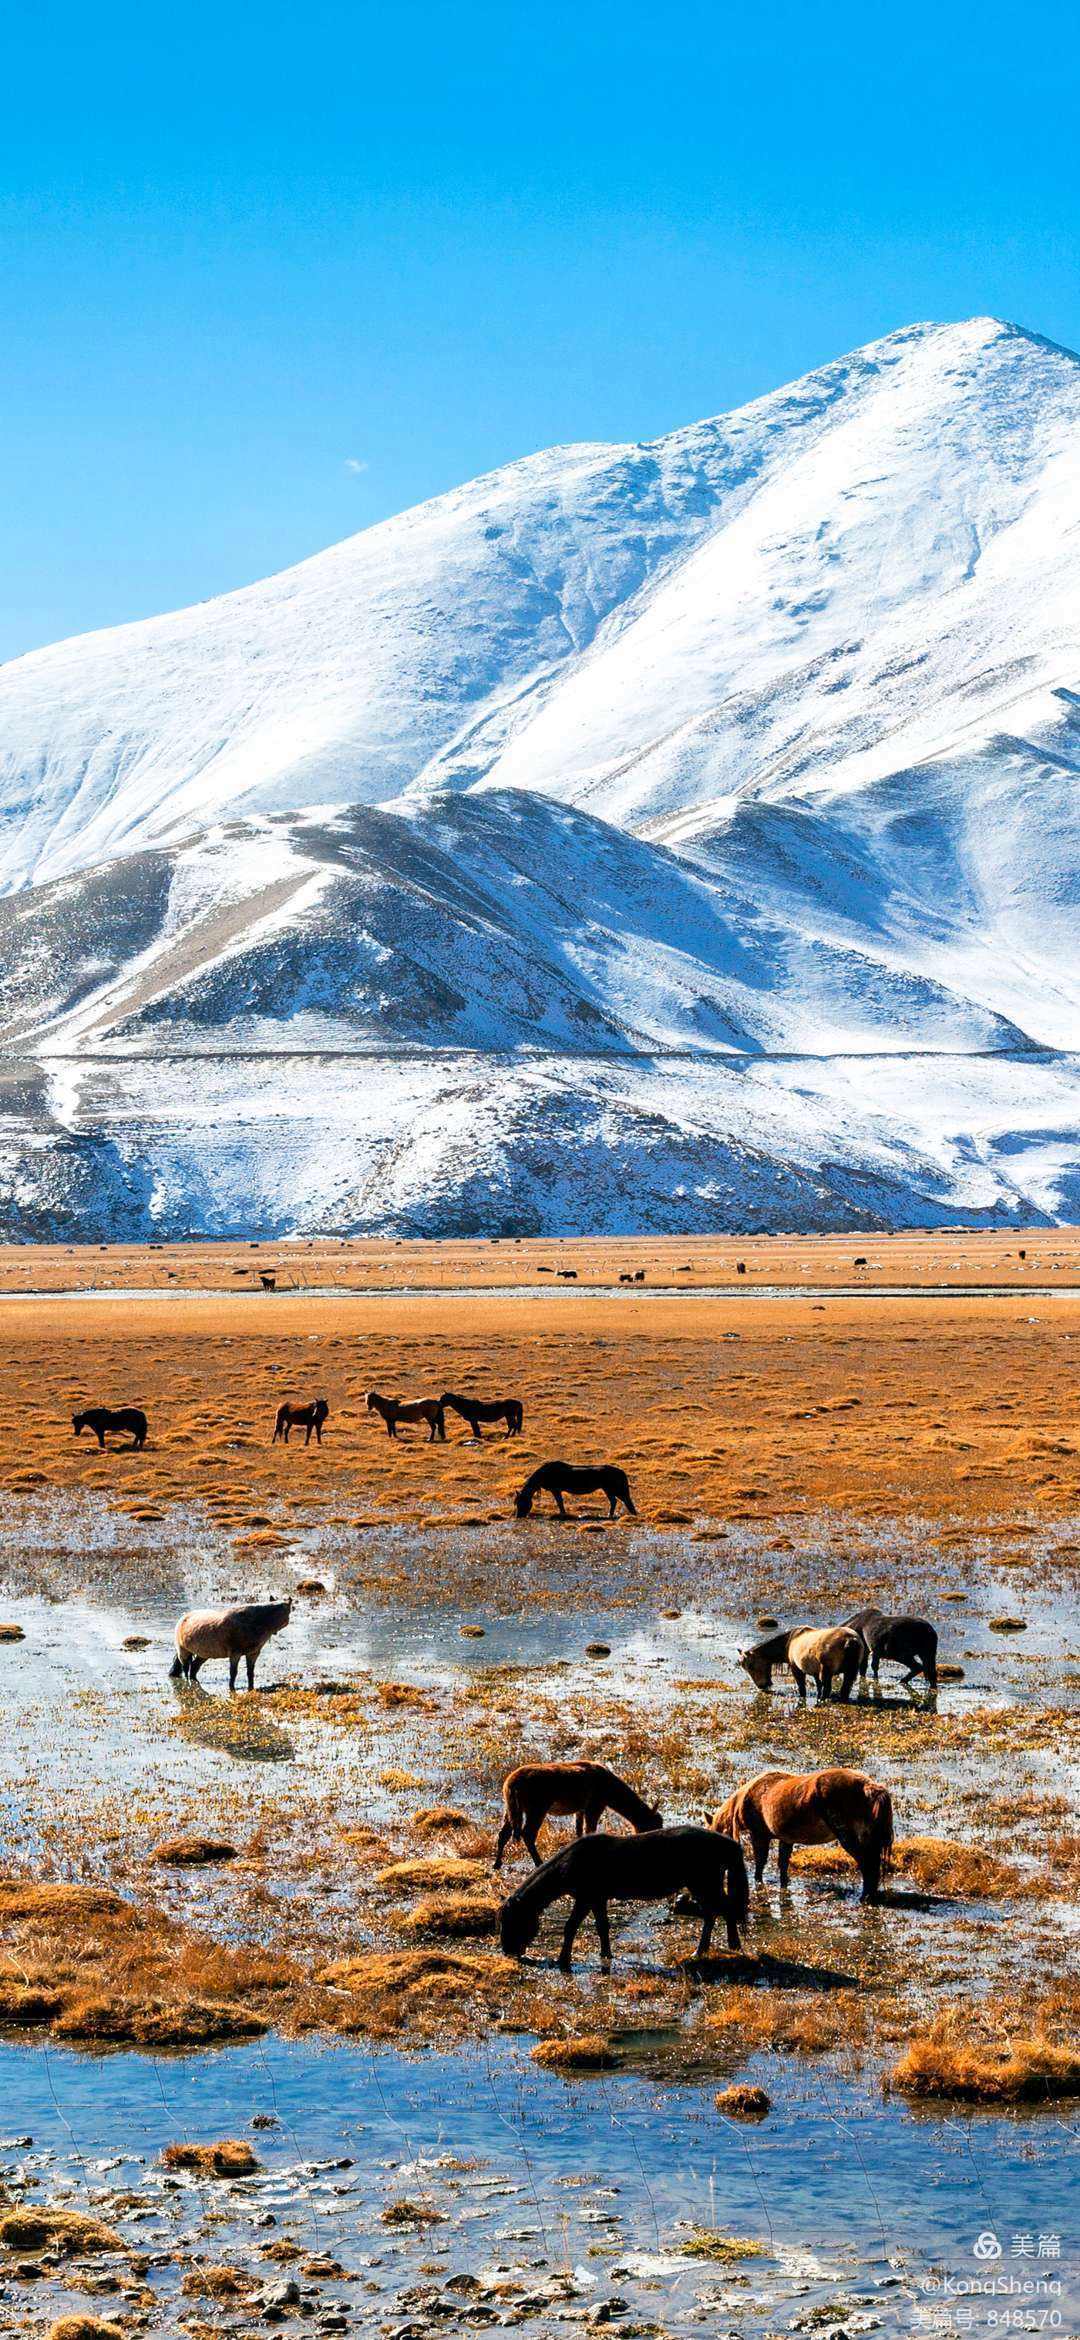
(270, 274)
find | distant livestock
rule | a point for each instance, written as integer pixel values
(477, 1410)
(396, 1410)
(306, 1418)
(651, 1867)
(535, 1790)
(815, 1807)
(103, 1418)
(909, 1641)
(833, 1653)
(559, 1478)
(227, 1633)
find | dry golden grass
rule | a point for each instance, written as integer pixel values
(452, 1916)
(435, 1874)
(957, 2057)
(962, 1869)
(85, 2327)
(192, 1852)
(419, 1991)
(230, 2157)
(741, 2103)
(71, 2234)
(725, 2249)
(216, 2283)
(589, 2053)
(108, 2018)
(803, 2022)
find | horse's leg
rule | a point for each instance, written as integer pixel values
(234, 1663)
(867, 1859)
(762, 1842)
(824, 1687)
(800, 1681)
(785, 1864)
(601, 1916)
(731, 1922)
(529, 1832)
(705, 1939)
(559, 1504)
(249, 1660)
(504, 1837)
(576, 1918)
(101, 1439)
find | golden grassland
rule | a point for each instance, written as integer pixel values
(368, 1906)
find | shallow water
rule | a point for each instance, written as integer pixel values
(853, 2203)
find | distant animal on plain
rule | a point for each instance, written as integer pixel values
(813, 1807)
(477, 1410)
(569, 1275)
(597, 1869)
(99, 1419)
(827, 1654)
(860, 1263)
(639, 1276)
(306, 1418)
(560, 1478)
(534, 1791)
(227, 1633)
(395, 1410)
(740, 1267)
(626, 1279)
(909, 1641)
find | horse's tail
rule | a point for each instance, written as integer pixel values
(279, 1424)
(738, 1886)
(515, 1414)
(728, 1820)
(881, 1816)
(931, 1657)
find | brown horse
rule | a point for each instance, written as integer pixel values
(227, 1633)
(394, 1410)
(813, 1807)
(102, 1418)
(477, 1410)
(559, 1478)
(597, 1869)
(535, 1790)
(306, 1418)
(826, 1654)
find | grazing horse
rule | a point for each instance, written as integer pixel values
(102, 1418)
(559, 1479)
(827, 1653)
(597, 1869)
(535, 1790)
(813, 1807)
(227, 1633)
(394, 1410)
(307, 1418)
(909, 1640)
(477, 1410)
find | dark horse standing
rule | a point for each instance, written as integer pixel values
(597, 1869)
(910, 1641)
(477, 1410)
(120, 1418)
(560, 1478)
(306, 1418)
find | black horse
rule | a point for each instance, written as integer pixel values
(910, 1641)
(560, 1478)
(477, 1410)
(597, 1869)
(119, 1418)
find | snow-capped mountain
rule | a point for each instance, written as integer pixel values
(760, 741)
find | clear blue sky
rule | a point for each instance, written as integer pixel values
(272, 273)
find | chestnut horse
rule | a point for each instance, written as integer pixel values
(477, 1410)
(307, 1418)
(828, 1653)
(535, 1790)
(395, 1410)
(597, 1869)
(227, 1633)
(813, 1807)
(560, 1478)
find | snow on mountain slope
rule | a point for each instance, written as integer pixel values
(676, 835)
(491, 921)
(834, 582)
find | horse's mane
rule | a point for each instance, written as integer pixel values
(773, 1648)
